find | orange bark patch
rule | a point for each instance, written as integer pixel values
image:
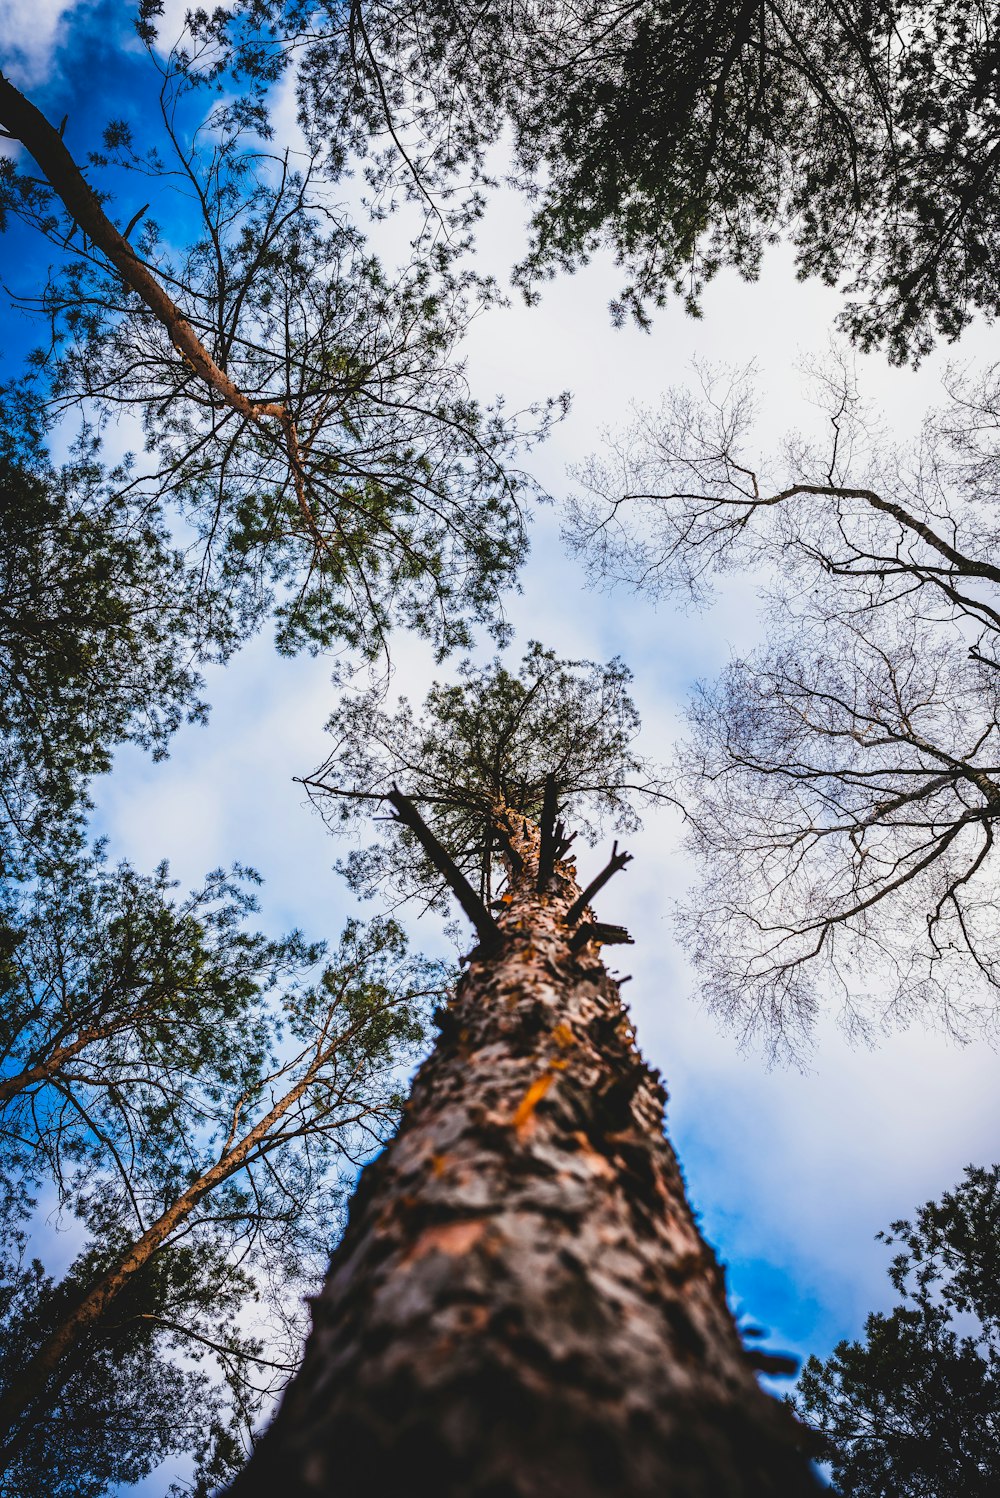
(599, 1163)
(563, 1035)
(528, 1104)
(451, 1238)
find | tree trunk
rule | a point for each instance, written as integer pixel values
(522, 1306)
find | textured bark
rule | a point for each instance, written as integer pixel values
(522, 1306)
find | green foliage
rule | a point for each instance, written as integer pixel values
(138, 1393)
(915, 1409)
(396, 500)
(687, 136)
(100, 637)
(117, 996)
(167, 1070)
(488, 740)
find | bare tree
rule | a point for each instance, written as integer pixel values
(843, 781)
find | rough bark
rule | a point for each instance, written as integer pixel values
(522, 1306)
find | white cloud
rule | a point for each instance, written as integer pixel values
(29, 34)
(171, 24)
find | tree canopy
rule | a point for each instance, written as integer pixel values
(912, 1410)
(101, 635)
(304, 408)
(482, 745)
(195, 1097)
(683, 136)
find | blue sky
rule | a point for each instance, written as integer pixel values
(793, 1173)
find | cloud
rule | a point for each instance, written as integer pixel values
(31, 31)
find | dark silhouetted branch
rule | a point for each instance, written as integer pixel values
(546, 850)
(609, 936)
(777, 1364)
(615, 862)
(486, 927)
(311, 783)
(561, 842)
(501, 833)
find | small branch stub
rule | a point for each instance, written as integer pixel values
(599, 931)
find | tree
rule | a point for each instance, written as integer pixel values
(303, 408)
(112, 988)
(915, 1408)
(686, 136)
(199, 1132)
(491, 739)
(841, 781)
(521, 1302)
(100, 635)
(141, 1394)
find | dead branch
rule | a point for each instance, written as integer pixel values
(546, 849)
(487, 929)
(599, 931)
(615, 862)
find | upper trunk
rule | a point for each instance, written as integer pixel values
(522, 1306)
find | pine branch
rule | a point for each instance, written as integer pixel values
(22, 121)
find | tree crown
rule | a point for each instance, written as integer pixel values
(912, 1409)
(484, 744)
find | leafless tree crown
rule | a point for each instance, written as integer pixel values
(843, 780)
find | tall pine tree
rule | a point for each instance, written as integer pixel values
(522, 1303)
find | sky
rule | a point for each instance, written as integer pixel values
(793, 1172)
